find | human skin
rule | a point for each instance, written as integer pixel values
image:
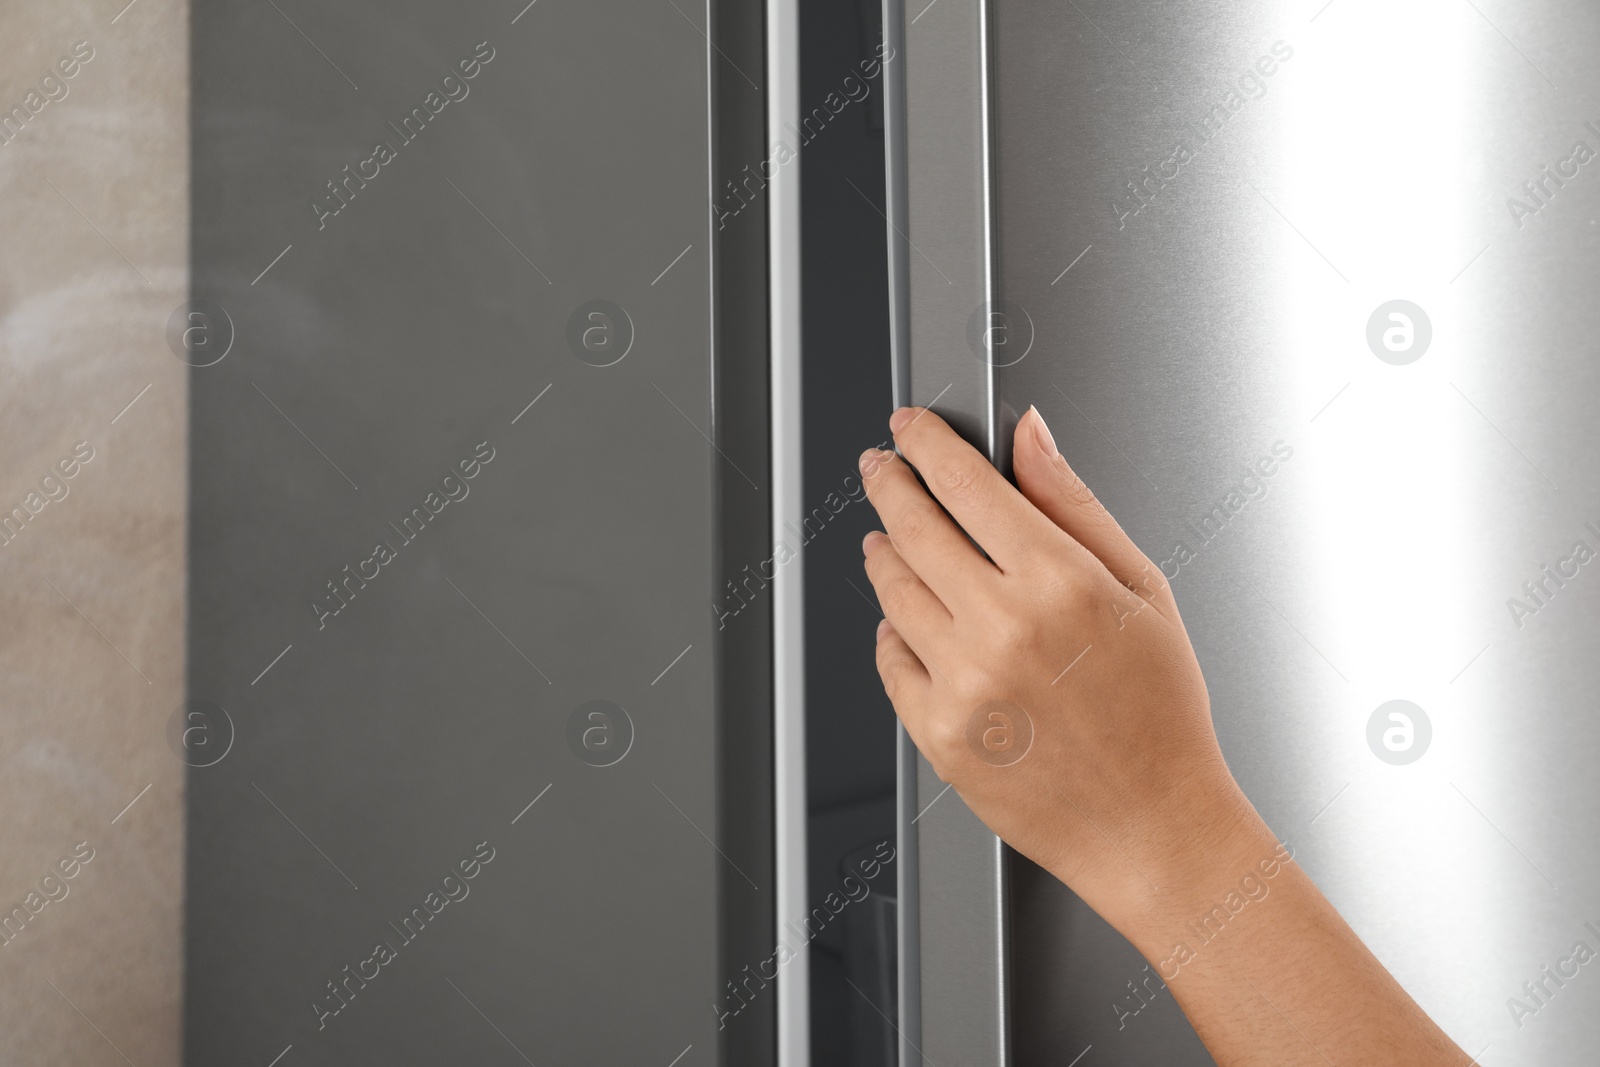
(1061, 628)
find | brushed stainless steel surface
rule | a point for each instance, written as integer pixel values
(1201, 301)
(954, 942)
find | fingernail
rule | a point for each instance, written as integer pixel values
(869, 542)
(898, 420)
(1041, 433)
(871, 459)
(883, 628)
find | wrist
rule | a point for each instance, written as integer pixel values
(1233, 863)
(1210, 849)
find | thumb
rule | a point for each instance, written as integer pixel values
(1052, 486)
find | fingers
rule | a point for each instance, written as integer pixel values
(925, 537)
(988, 507)
(1045, 479)
(904, 677)
(908, 604)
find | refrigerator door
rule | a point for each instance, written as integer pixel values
(491, 771)
(1306, 293)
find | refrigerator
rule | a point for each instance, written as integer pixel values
(530, 713)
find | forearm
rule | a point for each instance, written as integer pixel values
(1264, 967)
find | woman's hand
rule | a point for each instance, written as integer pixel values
(1044, 671)
(1045, 674)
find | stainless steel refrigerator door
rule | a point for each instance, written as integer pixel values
(476, 491)
(1309, 290)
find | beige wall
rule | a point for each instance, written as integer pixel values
(82, 729)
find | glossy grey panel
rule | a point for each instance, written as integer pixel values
(452, 484)
(850, 726)
(1202, 298)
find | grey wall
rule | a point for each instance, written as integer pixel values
(93, 205)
